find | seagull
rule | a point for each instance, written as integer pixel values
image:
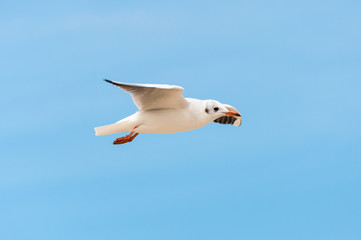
(163, 109)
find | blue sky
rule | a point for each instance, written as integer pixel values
(291, 171)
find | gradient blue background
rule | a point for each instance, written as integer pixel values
(291, 171)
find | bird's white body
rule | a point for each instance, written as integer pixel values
(161, 120)
(162, 109)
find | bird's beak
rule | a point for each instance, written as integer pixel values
(234, 114)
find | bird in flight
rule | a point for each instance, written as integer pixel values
(163, 109)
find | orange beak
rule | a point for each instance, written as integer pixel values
(234, 114)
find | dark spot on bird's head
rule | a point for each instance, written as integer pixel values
(207, 111)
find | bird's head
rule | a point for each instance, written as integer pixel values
(215, 109)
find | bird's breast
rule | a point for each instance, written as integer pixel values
(169, 121)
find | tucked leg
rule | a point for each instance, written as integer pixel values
(126, 139)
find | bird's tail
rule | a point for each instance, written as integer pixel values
(110, 129)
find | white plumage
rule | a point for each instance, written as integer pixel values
(163, 109)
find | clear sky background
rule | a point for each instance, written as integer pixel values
(291, 171)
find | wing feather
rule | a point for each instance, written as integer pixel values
(153, 96)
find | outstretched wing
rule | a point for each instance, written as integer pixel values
(153, 96)
(236, 121)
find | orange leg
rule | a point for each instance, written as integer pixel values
(126, 139)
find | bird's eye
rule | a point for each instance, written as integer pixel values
(216, 109)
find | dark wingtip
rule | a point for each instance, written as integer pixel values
(107, 80)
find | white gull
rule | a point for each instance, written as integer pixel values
(163, 109)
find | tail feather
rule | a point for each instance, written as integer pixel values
(109, 129)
